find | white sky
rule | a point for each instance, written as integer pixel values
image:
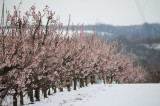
(115, 12)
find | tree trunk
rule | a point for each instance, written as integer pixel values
(37, 95)
(49, 92)
(0, 103)
(75, 83)
(107, 79)
(68, 85)
(21, 98)
(104, 80)
(86, 81)
(68, 88)
(44, 91)
(30, 94)
(93, 80)
(81, 82)
(15, 98)
(54, 88)
(111, 79)
(61, 89)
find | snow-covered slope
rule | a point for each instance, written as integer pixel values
(106, 95)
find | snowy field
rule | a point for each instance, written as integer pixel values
(106, 95)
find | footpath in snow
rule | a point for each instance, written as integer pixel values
(106, 95)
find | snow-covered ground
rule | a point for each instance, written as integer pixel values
(106, 95)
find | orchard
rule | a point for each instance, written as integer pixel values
(36, 57)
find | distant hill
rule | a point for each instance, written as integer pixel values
(143, 40)
(130, 32)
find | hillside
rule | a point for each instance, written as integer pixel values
(134, 31)
(105, 95)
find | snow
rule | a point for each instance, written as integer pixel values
(155, 46)
(106, 95)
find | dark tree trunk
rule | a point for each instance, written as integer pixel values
(107, 79)
(86, 81)
(61, 89)
(54, 88)
(44, 91)
(111, 79)
(104, 80)
(81, 82)
(21, 98)
(68, 85)
(75, 83)
(49, 91)
(37, 95)
(93, 80)
(15, 98)
(30, 94)
(68, 88)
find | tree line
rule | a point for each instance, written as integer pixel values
(34, 57)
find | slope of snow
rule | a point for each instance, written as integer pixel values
(106, 95)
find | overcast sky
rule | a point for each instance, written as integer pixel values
(115, 12)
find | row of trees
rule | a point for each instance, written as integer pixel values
(34, 57)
